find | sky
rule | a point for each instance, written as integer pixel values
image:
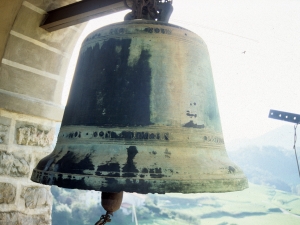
(254, 47)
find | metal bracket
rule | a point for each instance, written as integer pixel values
(285, 116)
(159, 10)
(80, 12)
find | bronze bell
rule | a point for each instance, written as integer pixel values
(142, 116)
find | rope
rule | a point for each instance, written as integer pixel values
(295, 140)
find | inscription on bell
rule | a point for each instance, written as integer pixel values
(127, 135)
(216, 140)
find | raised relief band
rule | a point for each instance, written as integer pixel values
(155, 30)
(122, 31)
(153, 135)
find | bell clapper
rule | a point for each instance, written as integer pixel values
(111, 202)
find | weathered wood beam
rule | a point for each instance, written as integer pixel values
(80, 12)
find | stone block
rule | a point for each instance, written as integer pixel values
(27, 106)
(48, 5)
(9, 10)
(34, 135)
(30, 84)
(17, 218)
(7, 193)
(12, 165)
(34, 56)
(3, 133)
(36, 197)
(28, 22)
(4, 129)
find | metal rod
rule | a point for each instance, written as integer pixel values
(295, 140)
(288, 117)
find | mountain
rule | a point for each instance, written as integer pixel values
(268, 159)
(282, 137)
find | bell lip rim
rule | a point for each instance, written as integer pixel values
(237, 176)
(242, 188)
(234, 182)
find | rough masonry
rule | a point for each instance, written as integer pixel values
(33, 66)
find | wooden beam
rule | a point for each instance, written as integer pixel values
(80, 12)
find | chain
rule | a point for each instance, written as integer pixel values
(295, 140)
(142, 8)
(104, 219)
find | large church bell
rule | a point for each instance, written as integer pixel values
(142, 114)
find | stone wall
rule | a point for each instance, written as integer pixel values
(25, 140)
(33, 65)
(35, 62)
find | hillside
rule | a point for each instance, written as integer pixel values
(255, 205)
(266, 160)
(282, 137)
